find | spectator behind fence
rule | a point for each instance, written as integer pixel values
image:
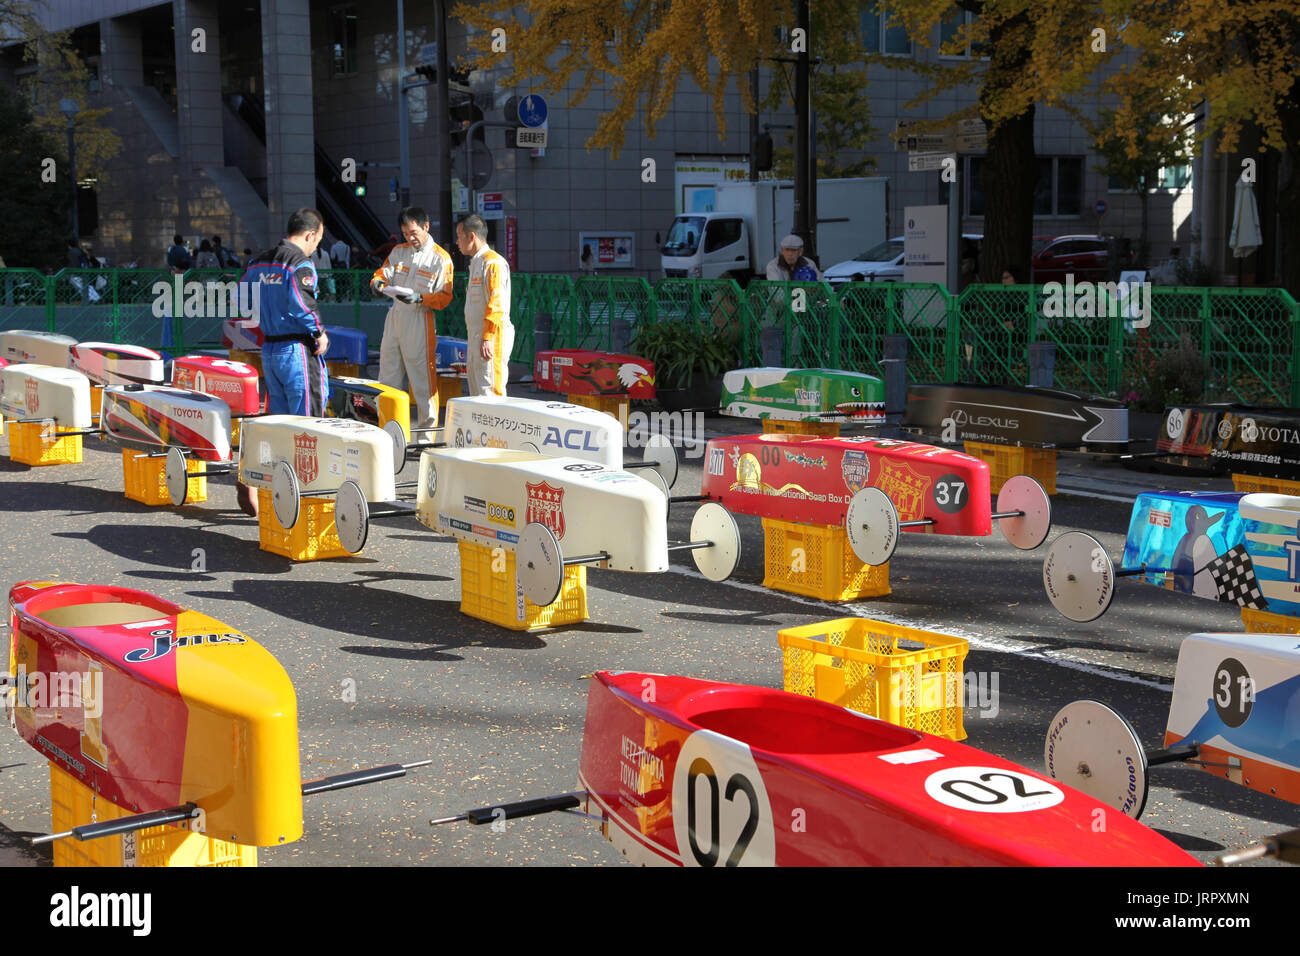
(324, 265)
(207, 259)
(77, 258)
(791, 265)
(341, 255)
(226, 258)
(178, 257)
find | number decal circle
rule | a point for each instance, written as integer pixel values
(1234, 692)
(991, 790)
(950, 493)
(721, 812)
(1174, 423)
(431, 480)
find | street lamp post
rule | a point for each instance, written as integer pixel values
(69, 108)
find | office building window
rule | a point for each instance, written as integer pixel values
(952, 24)
(1059, 191)
(345, 40)
(882, 34)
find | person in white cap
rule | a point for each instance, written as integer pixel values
(791, 265)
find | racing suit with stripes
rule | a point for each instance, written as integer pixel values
(297, 382)
(409, 350)
(487, 317)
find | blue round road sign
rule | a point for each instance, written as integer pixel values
(532, 110)
(1101, 207)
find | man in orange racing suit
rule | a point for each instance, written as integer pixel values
(408, 352)
(488, 329)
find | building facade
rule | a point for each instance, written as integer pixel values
(233, 113)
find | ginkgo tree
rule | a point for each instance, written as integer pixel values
(1234, 57)
(1234, 64)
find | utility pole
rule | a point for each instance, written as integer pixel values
(441, 131)
(753, 124)
(403, 115)
(803, 176)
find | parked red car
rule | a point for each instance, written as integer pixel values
(1084, 257)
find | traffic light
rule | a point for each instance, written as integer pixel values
(459, 78)
(360, 187)
(763, 152)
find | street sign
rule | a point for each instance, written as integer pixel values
(923, 162)
(532, 110)
(491, 206)
(482, 162)
(459, 196)
(526, 138)
(428, 55)
(972, 136)
(1101, 207)
(943, 141)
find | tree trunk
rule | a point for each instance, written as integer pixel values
(1288, 198)
(1010, 168)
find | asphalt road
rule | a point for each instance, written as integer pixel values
(387, 669)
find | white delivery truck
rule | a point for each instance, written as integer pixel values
(751, 218)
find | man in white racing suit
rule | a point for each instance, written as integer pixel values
(409, 350)
(489, 332)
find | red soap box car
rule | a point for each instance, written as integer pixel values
(592, 372)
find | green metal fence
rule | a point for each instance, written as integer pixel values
(1247, 340)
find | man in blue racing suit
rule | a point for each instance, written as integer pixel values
(293, 350)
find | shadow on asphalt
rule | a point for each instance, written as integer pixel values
(17, 850)
(432, 627)
(173, 548)
(73, 497)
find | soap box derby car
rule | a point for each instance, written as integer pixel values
(803, 394)
(544, 508)
(181, 718)
(592, 372)
(1224, 546)
(866, 485)
(1245, 439)
(698, 773)
(1011, 415)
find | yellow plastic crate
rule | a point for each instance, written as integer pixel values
(96, 400)
(909, 677)
(248, 358)
(313, 538)
(496, 597)
(780, 426)
(817, 561)
(449, 387)
(349, 369)
(1268, 622)
(617, 405)
(1254, 484)
(28, 445)
(146, 479)
(1007, 461)
(74, 804)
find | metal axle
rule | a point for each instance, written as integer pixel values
(512, 811)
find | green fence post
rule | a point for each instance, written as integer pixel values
(116, 311)
(837, 318)
(952, 335)
(1295, 350)
(49, 304)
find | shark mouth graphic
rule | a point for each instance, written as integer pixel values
(861, 409)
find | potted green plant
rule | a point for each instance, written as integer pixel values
(689, 360)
